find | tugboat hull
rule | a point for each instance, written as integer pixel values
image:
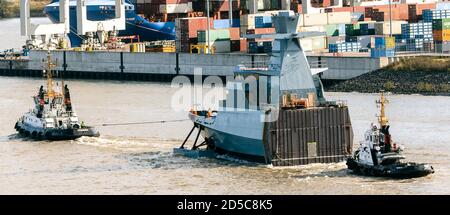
(397, 170)
(55, 134)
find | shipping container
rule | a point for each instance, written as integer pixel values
(263, 21)
(344, 47)
(261, 31)
(430, 15)
(417, 30)
(365, 41)
(441, 24)
(333, 40)
(248, 21)
(315, 19)
(319, 28)
(339, 18)
(235, 45)
(352, 29)
(219, 46)
(314, 43)
(225, 23)
(384, 42)
(383, 28)
(441, 35)
(176, 8)
(214, 35)
(443, 6)
(332, 30)
(442, 47)
(234, 33)
(243, 44)
(377, 53)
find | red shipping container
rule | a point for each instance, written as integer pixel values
(192, 25)
(343, 9)
(224, 5)
(299, 8)
(243, 44)
(326, 3)
(234, 33)
(264, 30)
(360, 9)
(422, 7)
(403, 12)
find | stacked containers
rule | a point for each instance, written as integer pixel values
(367, 28)
(263, 22)
(247, 22)
(441, 34)
(219, 39)
(352, 29)
(384, 28)
(344, 47)
(186, 31)
(332, 30)
(441, 30)
(412, 13)
(260, 24)
(416, 35)
(384, 47)
(430, 15)
(225, 23)
(314, 43)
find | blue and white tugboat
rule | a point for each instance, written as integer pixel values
(53, 117)
(378, 155)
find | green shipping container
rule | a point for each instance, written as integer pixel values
(332, 30)
(441, 24)
(215, 35)
(352, 29)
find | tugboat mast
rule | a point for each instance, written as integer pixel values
(49, 75)
(382, 119)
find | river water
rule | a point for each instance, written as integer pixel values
(138, 159)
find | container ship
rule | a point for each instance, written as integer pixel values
(99, 10)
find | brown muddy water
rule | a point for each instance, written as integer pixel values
(138, 159)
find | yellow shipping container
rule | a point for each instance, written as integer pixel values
(390, 42)
(441, 35)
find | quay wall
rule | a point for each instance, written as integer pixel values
(116, 64)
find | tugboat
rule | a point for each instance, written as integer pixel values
(53, 117)
(378, 155)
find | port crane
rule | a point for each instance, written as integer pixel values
(43, 36)
(51, 36)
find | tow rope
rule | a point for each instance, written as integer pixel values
(145, 122)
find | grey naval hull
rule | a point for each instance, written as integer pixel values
(242, 138)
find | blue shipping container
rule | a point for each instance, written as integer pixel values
(377, 53)
(263, 21)
(225, 23)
